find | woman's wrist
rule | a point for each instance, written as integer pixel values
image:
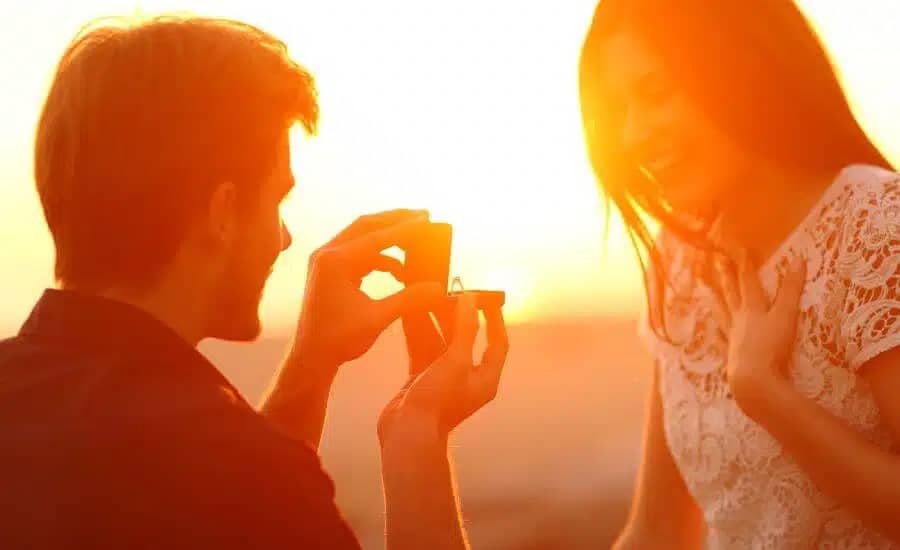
(761, 392)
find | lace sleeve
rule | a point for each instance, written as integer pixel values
(868, 270)
(645, 332)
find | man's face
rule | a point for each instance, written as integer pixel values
(262, 236)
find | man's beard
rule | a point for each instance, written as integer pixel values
(235, 314)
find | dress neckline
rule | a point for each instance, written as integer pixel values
(783, 249)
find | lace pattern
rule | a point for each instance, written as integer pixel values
(752, 494)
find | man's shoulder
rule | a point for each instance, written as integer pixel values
(120, 398)
(18, 350)
(34, 377)
(189, 453)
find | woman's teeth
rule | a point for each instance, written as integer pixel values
(661, 164)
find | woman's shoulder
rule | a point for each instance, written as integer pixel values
(869, 231)
(863, 189)
(866, 175)
(856, 261)
(864, 211)
(860, 207)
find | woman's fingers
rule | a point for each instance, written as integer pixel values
(753, 296)
(728, 276)
(787, 301)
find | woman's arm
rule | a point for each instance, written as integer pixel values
(841, 462)
(663, 513)
(837, 458)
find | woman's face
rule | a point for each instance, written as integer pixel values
(664, 133)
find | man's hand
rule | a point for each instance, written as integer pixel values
(339, 322)
(449, 390)
(420, 498)
(424, 343)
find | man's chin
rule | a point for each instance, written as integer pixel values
(236, 315)
(246, 331)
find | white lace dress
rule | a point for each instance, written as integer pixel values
(753, 495)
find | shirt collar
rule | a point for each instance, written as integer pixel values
(93, 324)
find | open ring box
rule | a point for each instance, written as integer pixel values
(428, 259)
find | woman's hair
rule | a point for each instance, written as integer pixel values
(756, 69)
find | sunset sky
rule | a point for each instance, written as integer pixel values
(467, 108)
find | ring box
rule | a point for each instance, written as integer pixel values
(428, 256)
(484, 299)
(428, 259)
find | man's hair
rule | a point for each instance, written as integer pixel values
(142, 121)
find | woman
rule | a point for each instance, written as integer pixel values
(774, 307)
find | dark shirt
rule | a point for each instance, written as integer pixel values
(116, 433)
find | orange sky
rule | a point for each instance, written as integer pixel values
(468, 108)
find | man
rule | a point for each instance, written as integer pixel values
(161, 158)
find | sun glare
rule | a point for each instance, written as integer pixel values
(467, 108)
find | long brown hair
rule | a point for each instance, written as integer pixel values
(758, 71)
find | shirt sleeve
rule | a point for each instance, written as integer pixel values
(288, 495)
(868, 272)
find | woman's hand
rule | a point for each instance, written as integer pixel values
(844, 463)
(762, 332)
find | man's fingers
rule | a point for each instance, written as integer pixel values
(494, 358)
(443, 375)
(377, 262)
(465, 328)
(423, 341)
(415, 298)
(374, 242)
(495, 328)
(383, 263)
(373, 222)
(362, 255)
(752, 293)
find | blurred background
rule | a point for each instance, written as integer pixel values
(470, 109)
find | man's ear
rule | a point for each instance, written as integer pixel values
(222, 220)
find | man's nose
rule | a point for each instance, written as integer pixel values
(286, 238)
